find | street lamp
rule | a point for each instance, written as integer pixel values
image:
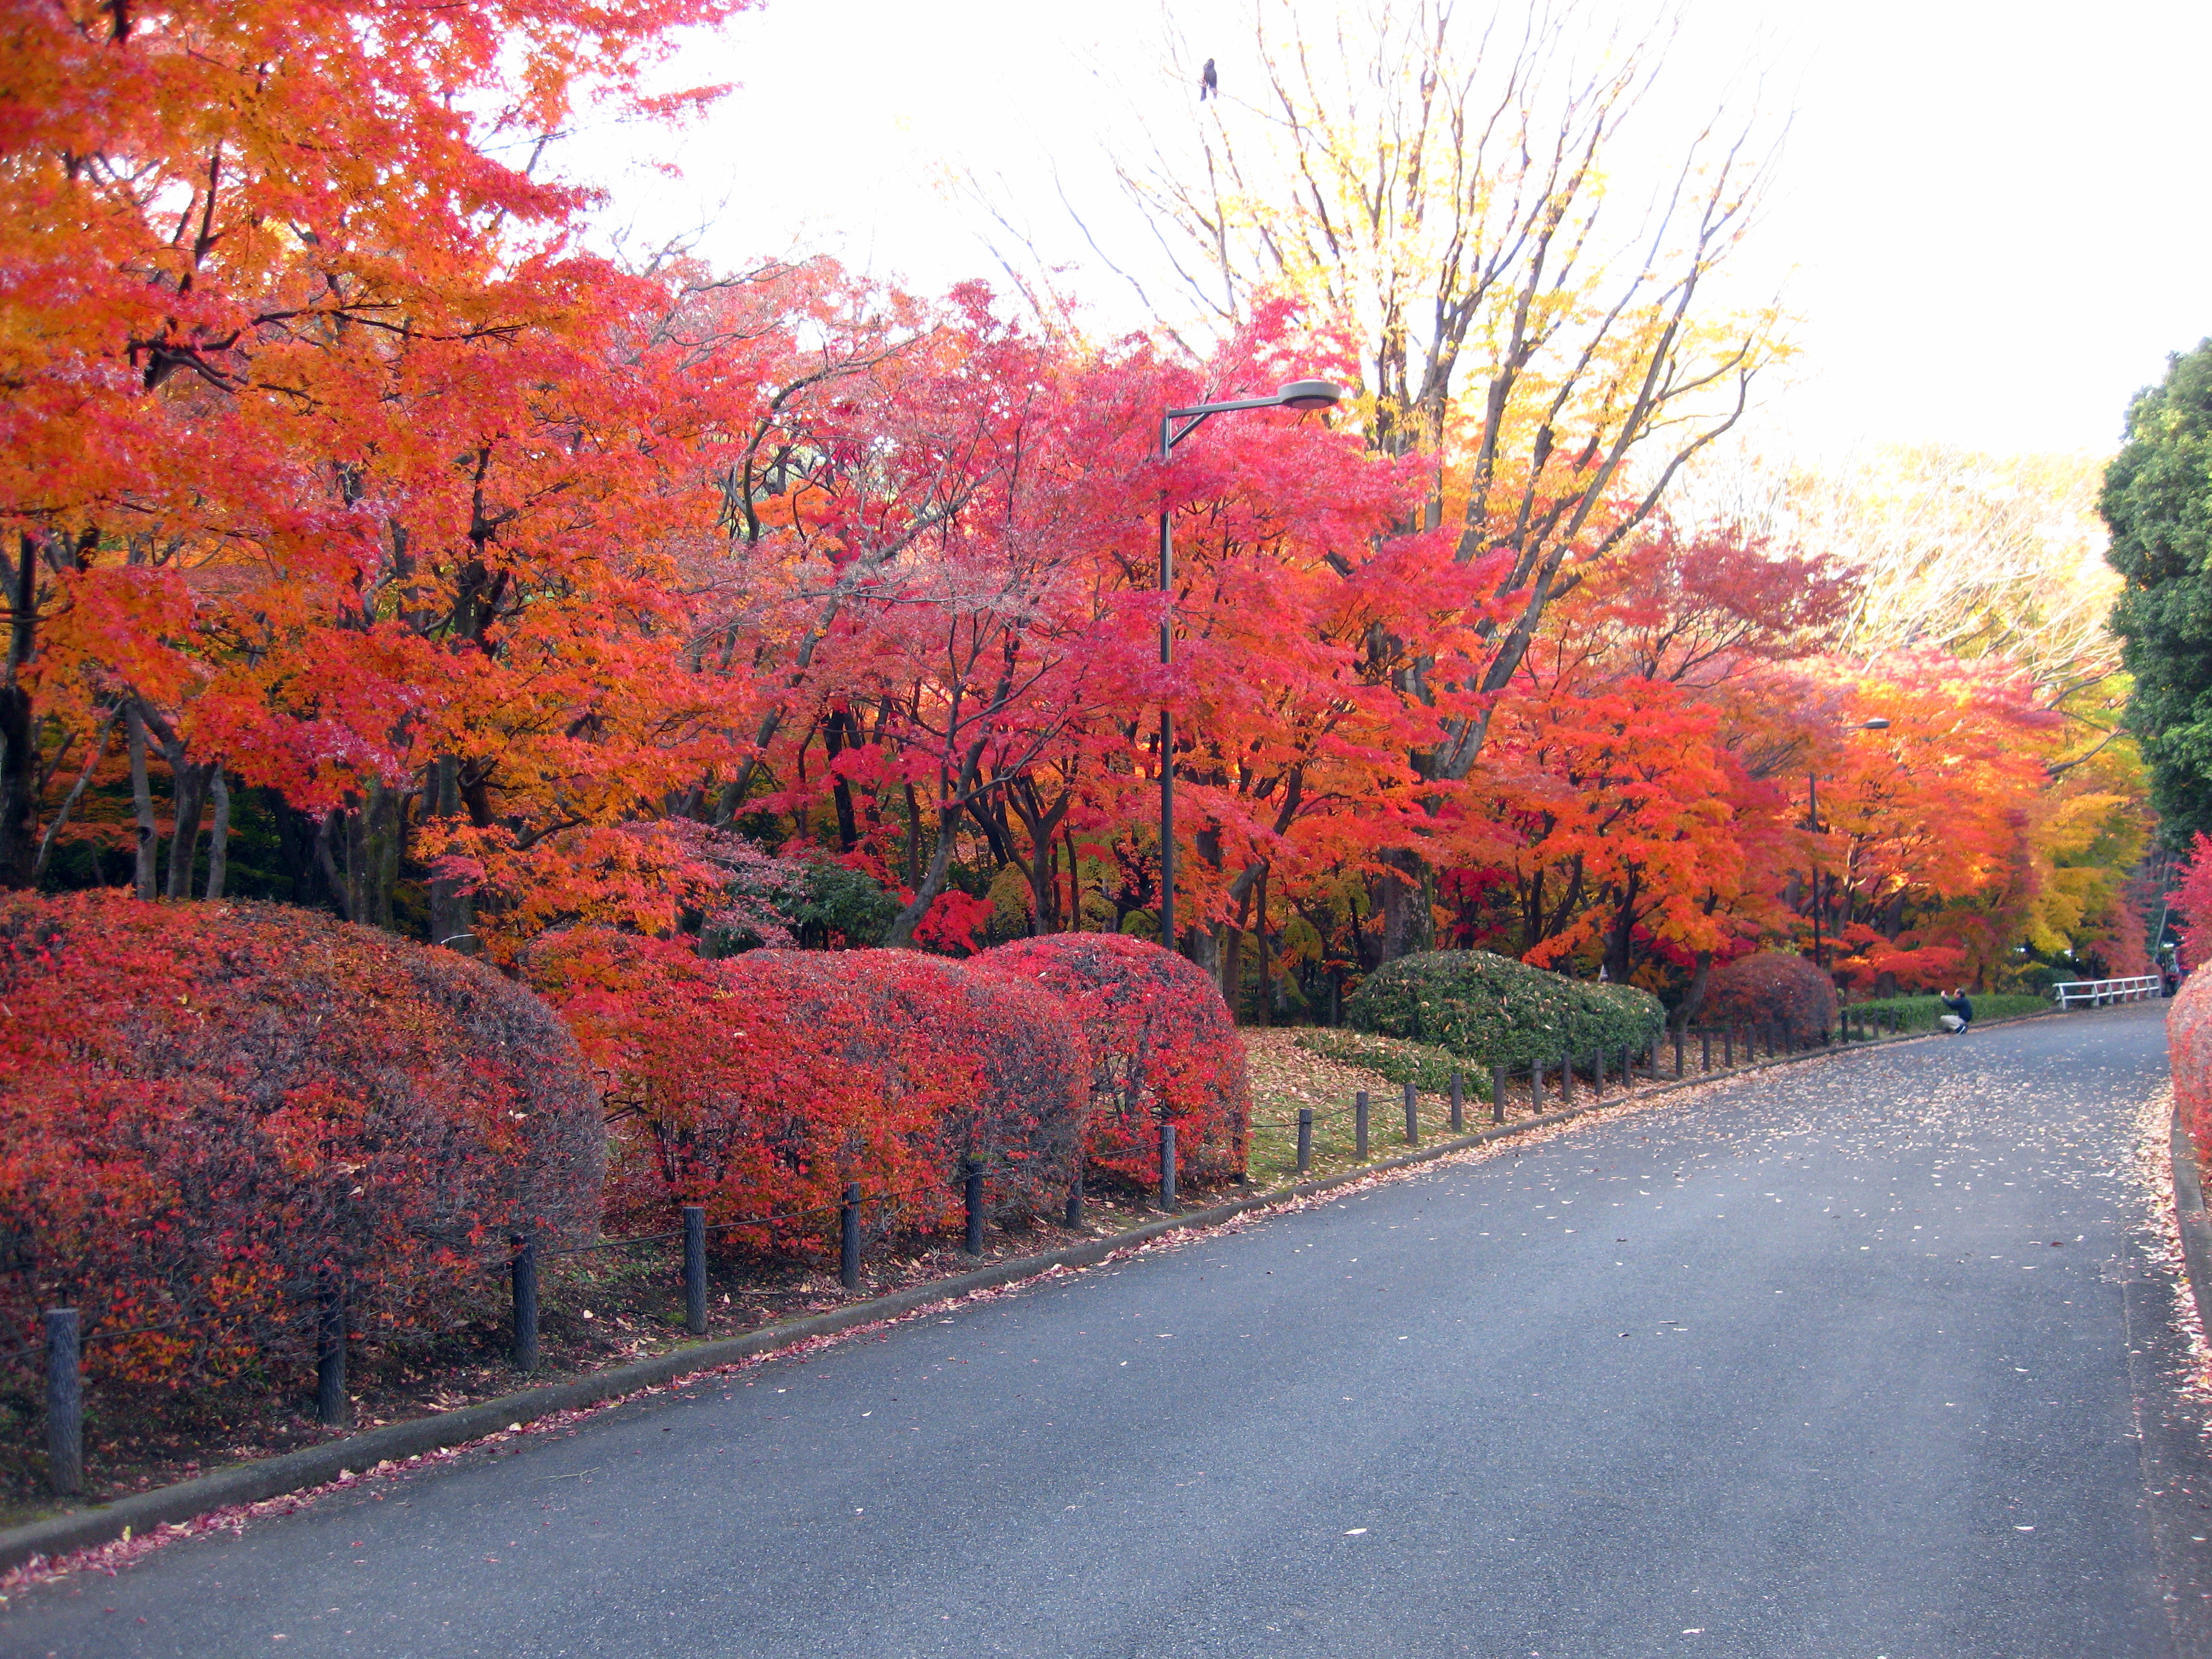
(1879, 723)
(1298, 395)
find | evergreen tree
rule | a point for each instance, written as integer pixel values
(2158, 501)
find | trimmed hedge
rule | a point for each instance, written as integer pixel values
(2189, 1051)
(1921, 1014)
(211, 1113)
(1161, 1039)
(761, 1085)
(1489, 1010)
(1771, 987)
(1014, 1059)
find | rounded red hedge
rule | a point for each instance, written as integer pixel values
(1162, 1042)
(1773, 987)
(210, 1113)
(761, 1085)
(2188, 1050)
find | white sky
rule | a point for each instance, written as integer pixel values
(1989, 219)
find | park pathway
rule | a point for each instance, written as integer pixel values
(1861, 1360)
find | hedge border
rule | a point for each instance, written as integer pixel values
(315, 1466)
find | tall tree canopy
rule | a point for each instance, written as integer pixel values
(2158, 501)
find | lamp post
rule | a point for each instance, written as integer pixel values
(1879, 723)
(1299, 395)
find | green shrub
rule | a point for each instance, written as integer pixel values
(1489, 1010)
(1921, 1014)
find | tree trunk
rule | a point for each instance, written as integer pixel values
(453, 922)
(1265, 1012)
(1694, 999)
(19, 743)
(188, 798)
(1232, 947)
(69, 802)
(219, 835)
(1074, 886)
(901, 934)
(834, 738)
(1622, 934)
(1406, 901)
(332, 822)
(141, 800)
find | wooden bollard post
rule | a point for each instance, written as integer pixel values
(522, 1286)
(1459, 1099)
(694, 1269)
(848, 1232)
(972, 1195)
(1413, 1115)
(1305, 1140)
(331, 1357)
(1359, 1124)
(64, 1401)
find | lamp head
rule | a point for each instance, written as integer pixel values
(1309, 394)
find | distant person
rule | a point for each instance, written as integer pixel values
(1961, 1013)
(2172, 978)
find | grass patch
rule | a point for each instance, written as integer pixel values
(1396, 1060)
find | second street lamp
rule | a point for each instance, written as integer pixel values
(1175, 426)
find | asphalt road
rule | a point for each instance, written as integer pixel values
(1862, 1359)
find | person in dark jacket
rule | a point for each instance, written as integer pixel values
(1961, 1013)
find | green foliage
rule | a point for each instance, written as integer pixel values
(843, 905)
(1921, 1014)
(1489, 1010)
(2158, 501)
(1399, 1060)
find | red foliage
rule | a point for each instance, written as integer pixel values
(1773, 986)
(2192, 901)
(762, 1084)
(2189, 1051)
(1000, 1062)
(209, 1113)
(1162, 1042)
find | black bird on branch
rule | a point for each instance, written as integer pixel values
(1208, 82)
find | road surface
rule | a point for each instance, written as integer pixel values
(1861, 1360)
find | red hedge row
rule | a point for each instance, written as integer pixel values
(761, 1085)
(1771, 986)
(1162, 1043)
(2188, 1050)
(210, 1112)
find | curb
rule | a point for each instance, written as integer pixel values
(2190, 1222)
(315, 1466)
